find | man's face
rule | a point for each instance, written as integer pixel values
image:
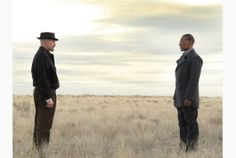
(185, 44)
(51, 44)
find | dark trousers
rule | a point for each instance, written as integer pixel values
(43, 119)
(188, 126)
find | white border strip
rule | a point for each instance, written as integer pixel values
(5, 80)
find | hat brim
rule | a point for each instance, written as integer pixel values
(55, 39)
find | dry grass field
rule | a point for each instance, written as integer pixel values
(117, 127)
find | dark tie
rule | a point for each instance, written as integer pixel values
(183, 56)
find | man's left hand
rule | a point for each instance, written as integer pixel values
(187, 103)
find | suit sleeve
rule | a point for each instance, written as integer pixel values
(195, 71)
(43, 76)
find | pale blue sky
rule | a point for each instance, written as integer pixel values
(118, 47)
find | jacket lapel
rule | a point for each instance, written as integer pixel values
(184, 58)
(50, 60)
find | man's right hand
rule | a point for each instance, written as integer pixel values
(187, 103)
(49, 103)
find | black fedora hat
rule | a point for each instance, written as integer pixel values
(47, 35)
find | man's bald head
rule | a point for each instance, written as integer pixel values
(186, 42)
(48, 44)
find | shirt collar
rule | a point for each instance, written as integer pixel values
(48, 52)
(186, 52)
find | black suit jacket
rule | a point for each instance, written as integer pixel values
(187, 75)
(44, 73)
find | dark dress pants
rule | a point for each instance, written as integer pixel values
(189, 131)
(43, 119)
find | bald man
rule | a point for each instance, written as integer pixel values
(46, 82)
(186, 96)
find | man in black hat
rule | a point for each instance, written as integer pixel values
(186, 97)
(46, 82)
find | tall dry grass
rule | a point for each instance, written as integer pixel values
(116, 127)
